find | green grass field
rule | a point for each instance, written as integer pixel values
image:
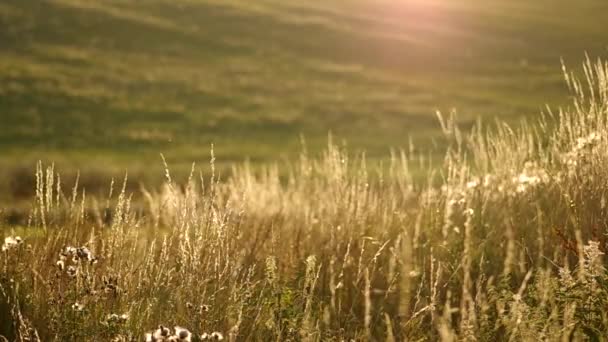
(115, 83)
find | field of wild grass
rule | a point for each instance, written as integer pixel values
(503, 242)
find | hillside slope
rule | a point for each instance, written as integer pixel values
(114, 80)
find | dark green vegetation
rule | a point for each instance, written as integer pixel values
(114, 83)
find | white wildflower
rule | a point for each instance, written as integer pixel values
(531, 176)
(72, 271)
(472, 184)
(68, 251)
(11, 242)
(183, 334)
(161, 333)
(78, 307)
(414, 273)
(84, 253)
(217, 336)
(115, 318)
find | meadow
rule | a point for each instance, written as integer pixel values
(88, 85)
(365, 171)
(504, 242)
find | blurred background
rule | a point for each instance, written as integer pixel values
(106, 86)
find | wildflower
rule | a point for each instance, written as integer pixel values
(456, 202)
(11, 242)
(161, 333)
(217, 336)
(112, 318)
(414, 273)
(521, 188)
(72, 271)
(183, 334)
(84, 253)
(110, 285)
(78, 307)
(204, 308)
(530, 177)
(60, 264)
(587, 142)
(110, 288)
(204, 337)
(68, 251)
(115, 318)
(472, 184)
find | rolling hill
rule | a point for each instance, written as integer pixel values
(110, 84)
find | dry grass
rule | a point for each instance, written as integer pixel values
(504, 242)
